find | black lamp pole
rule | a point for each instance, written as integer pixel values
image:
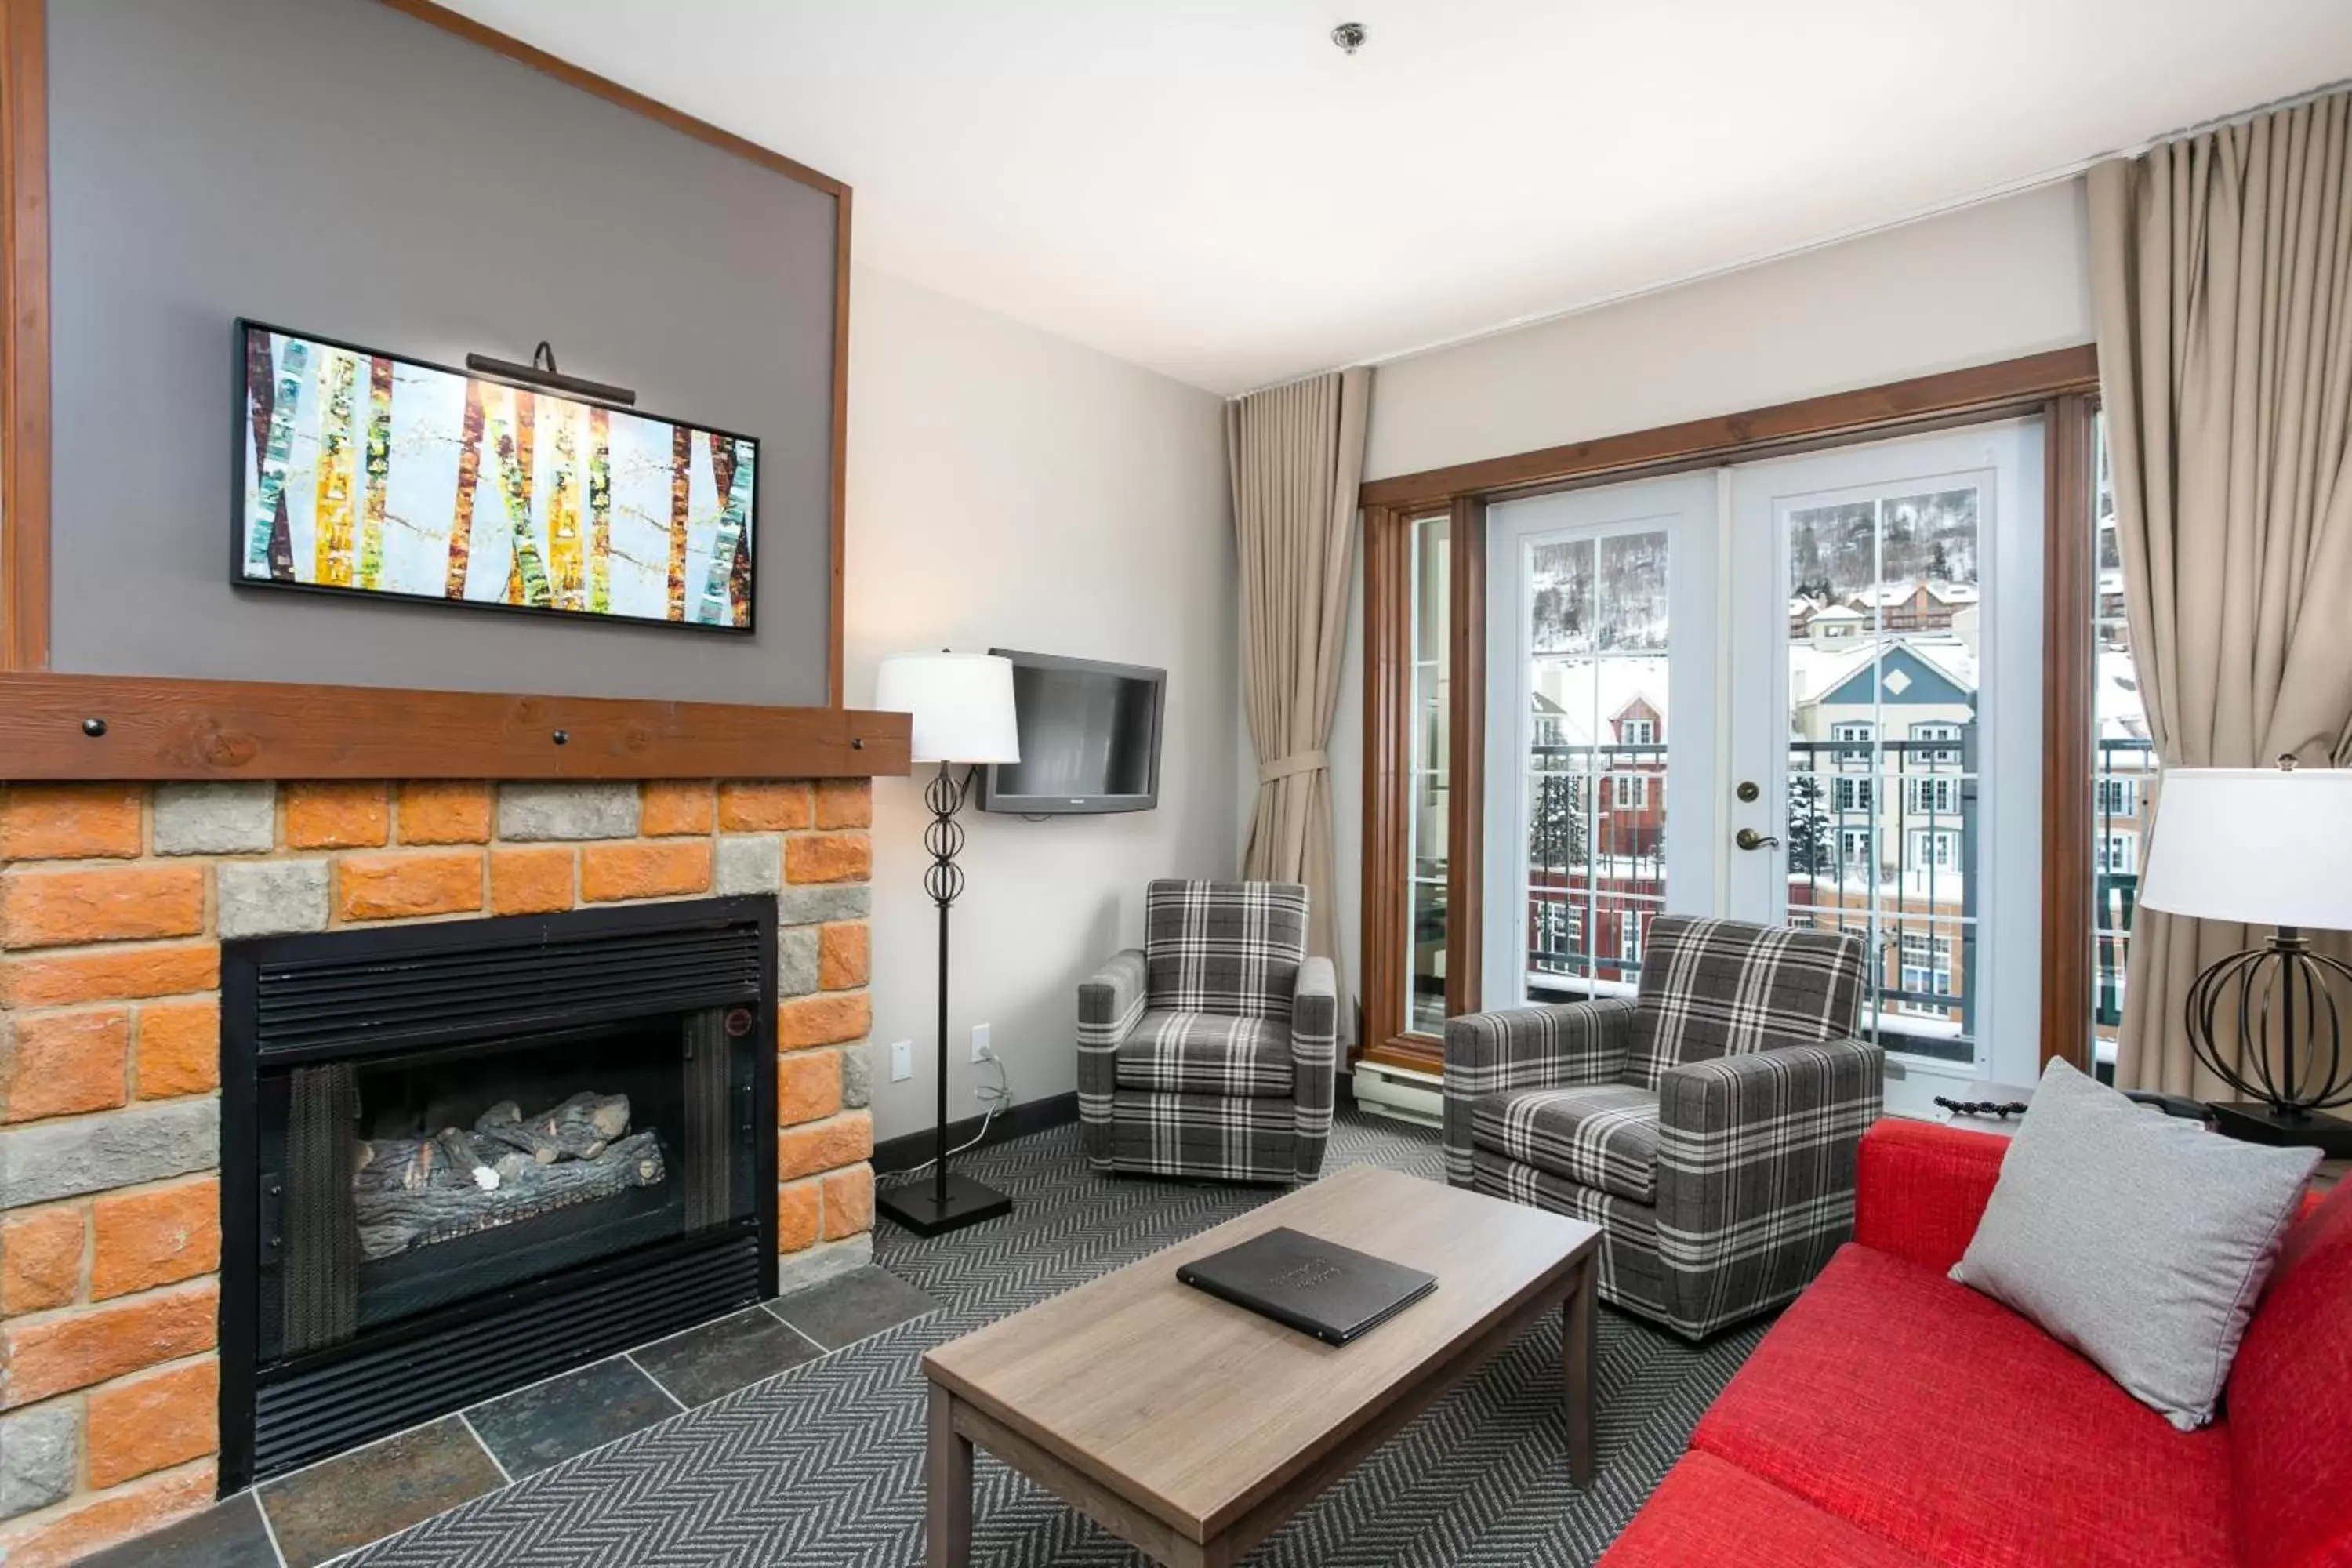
(946, 1202)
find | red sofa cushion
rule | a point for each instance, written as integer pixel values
(2290, 1402)
(1920, 1189)
(1934, 1419)
(1708, 1514)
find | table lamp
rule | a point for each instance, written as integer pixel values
(2264, 846)
(963, 716)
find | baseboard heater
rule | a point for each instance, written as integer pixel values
(1405, 1094)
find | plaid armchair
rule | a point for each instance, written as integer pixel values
(1707, 1126)
(1209, 1050)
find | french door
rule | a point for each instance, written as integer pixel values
(1802, 691)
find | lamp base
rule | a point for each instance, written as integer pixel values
(916, 1205)
(2252, 1121)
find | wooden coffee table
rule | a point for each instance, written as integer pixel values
(1192, 1428)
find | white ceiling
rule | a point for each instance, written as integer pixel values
(1209, 187)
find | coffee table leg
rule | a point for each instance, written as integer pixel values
(1578, 1329)
(947, 1482)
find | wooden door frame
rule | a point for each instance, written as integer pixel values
(2059, 385)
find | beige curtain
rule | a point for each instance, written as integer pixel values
(1296, 453)
(2221, 273)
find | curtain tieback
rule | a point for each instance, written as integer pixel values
(1296, 762)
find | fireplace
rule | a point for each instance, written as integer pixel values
(461, 1157)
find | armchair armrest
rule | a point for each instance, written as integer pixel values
(1314, 1053)
(1109, 1001)
(1921, 1189)
(1526, 1048)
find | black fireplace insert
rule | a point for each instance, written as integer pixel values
(460, 1158)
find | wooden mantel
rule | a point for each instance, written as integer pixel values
(61, 727)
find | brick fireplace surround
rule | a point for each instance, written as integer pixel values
(113, 902)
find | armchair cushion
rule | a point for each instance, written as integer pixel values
(1526, 1047)
(1601, 1135)
(1206, 1053)
(1716, 988)
(1224, 947)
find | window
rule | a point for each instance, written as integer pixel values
(2121, 757)
(1945, 755)
(2118, 854)
(1926, 973)
(1853, 851)
(1850, 794)
(1939, 850)
(1427, 561)
(1855, 739)
(2117, 798)
(1632, 791)
(1638, 732)
(1629, 937)
(1936, 797)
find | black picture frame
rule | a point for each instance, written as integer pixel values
(246, 326)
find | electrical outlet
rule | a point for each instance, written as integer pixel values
(902, 1060)
(980, 1050)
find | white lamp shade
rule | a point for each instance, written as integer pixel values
(2258, 845)
(961, 703)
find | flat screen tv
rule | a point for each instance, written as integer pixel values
(1089, 738)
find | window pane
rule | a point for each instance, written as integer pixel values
(1431, 652)
(2124, 761)
(1884, 623)
(1596, 768)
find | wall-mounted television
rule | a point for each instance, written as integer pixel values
(1089, 738)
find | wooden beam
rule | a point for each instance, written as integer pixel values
(116, 727)
(24, 335)
(2022, 384)
(1466, 828)
(2069, 698)
(1386, 888)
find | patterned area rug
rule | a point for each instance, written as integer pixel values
(822, 1466)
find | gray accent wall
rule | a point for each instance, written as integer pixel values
(335, 167)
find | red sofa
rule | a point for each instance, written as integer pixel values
(1891, 1417)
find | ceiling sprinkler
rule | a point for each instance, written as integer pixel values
(1348, 35)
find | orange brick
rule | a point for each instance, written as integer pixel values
(335, 815)
(750, 807)
(828, 858)
(817, 1146)
(113, 903)
(111, 974)
(808, 1085)
(672, 806)
(68, 821)
(40, 1260)
(824, 1020)
(441, 812)
(402, 887)
(849, 1202)
(178, 1048)
(159, 1237)
(840, 955)
(610, 872)
(56, 1540)
(59, 1063)
(845, 803)
(799, 1209)
(52, 1355)
(533, 881)
(148, 1424)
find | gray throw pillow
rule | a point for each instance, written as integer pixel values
(2139, 1240)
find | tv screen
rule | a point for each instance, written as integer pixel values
(1089, 738)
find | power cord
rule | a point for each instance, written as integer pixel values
(995, 1099)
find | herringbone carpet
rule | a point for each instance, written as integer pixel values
(822, 1466)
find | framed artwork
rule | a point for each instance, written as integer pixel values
(364, 472)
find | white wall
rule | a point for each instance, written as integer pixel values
(1989, 283)
(1011, 489)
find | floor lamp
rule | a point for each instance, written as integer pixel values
(2264, 846)
(963, 717)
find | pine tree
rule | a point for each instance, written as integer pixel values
(1808, 833)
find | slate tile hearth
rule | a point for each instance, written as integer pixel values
(531, 1428)
(701, 1365)
(345, 1502)
(229, 1536)
(845, 1310)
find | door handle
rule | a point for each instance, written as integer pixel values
(1748, 839)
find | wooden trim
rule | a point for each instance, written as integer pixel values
(24, 341)
(244, 730)
(1387, 745)
(588, 81)
(1466, 828)
(837, 679)
(2069, 698)
(1420, 1053)
(2020, 384)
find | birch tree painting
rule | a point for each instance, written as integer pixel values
(374, 474)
